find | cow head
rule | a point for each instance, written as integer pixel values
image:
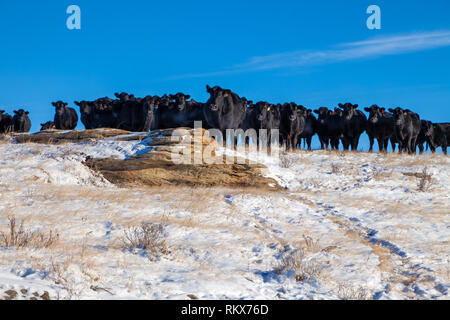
(104, 104)
(59, 105)
(375, 113)
(428, 128)
(399, 115)
(262, 110)
(48, 125)
(322, 113)
(219, 99)
(291, 111)
(180, 100)
(123, 97)
(349, 110)
(85, 107)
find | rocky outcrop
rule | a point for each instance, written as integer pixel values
(73, 136)
(181, 158)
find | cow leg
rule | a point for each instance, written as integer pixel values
(420, 148)
(308, 141)
(385, 145)
(295, 141)
(380, 145)
(371, 141)
(444, 149)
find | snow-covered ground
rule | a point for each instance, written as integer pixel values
(347, 225)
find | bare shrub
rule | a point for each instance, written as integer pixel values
(286, 161)
(335, 168)
(346, 292)
(296, 261)
(19, 237)
(311, 244)
(425, 180)
(380, 174)
(149, 237)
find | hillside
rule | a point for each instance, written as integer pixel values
(342, 226)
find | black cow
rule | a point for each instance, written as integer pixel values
(438, 135)
(86, 110)
(224, 110)
(21, 121)
(355, 123)
(422, 138)
(261, 116)
(6, 123)
(380, 126)
(335, 126)
(292, 124)
(310, 128)
(48, 126)
(407, 128)
(322, 127)
(178, 111)
(101, 113)
(65, 118)
(134, 114)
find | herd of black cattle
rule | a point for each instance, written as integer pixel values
(226, 110)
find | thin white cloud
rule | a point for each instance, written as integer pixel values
(367, 49)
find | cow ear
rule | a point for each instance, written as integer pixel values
(355, 106)
(383, 109)
(330, 112)
(367, 109)
(316, 111)
(391, 110)
(187, 96)
(340, 105)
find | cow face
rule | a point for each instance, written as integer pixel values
(399, 115)
(150, 103)
(290, 111)
(349, 110)
(428, 128)
(180, 100)
(124, 97)
(48, 125)
(219, 98)
(375, 113)
(59, 105)
(103, 104)
(85, 107)
(322, 113)
(262, 110)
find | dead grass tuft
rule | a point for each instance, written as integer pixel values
(286, 161)
(347, 292)
(19, 237)
(296, 261)
(149, 237)
(336, 168)
(425, 181)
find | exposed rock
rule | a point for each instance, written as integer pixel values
(63, 136)
(163, 165)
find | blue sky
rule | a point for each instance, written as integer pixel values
(314, 53)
